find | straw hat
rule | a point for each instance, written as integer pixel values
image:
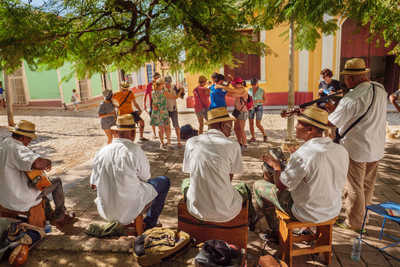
(355, 66)
(124, 85)
(218, 115)
(315, 116)
(124, 123)
(202, 79)
(25, 128)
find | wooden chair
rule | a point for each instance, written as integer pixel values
(35, 215)
(322, 238)
(234, 232)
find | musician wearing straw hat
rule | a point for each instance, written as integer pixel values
(309, 189)
(121, 176)
(360, 119)
(212, 159)
(16, 191)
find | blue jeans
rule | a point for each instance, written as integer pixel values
(161, 184)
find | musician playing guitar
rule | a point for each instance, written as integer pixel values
(17, 191)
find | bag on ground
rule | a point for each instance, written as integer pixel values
(158, 244)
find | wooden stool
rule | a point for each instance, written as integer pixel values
(234, 232)
(35, 215)
(323, 238)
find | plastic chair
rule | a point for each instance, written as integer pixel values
(381, 210)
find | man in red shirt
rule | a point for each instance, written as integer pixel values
(148, 94)
(201, 102)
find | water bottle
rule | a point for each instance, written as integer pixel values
(356, 252)
(47, 227)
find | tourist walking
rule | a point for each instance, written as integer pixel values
(107, 114)
(75, 99)
(148, 95)
(257, 111)
(125, 100)
(159, 114)
(240, 112)
(201, 102)
(172, 94)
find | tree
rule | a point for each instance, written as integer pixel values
(96, 34)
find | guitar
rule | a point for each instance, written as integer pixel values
(38, 179)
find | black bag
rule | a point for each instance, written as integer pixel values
(236, 113)
(217, 253)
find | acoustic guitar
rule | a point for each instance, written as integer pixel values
(38, 179)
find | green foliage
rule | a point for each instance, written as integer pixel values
(101, 35)
(98, 34)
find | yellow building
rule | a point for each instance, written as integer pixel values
(331, 52)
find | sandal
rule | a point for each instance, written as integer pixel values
(265, 138)
(252, 140)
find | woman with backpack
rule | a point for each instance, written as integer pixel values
(240, 112)
(257, 110)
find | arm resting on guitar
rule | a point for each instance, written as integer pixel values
(41, 164)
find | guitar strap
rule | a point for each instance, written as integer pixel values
(338, 136)
(126, 98)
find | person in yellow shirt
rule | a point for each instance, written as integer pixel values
(125, 100)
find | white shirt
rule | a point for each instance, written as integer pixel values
(210, 158)
(315, 176)
(15, 191)
(120, 172)
(365, 142)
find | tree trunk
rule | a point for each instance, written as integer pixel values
(9, 102)
(290, 121)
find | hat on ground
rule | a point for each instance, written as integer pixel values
(355, 66)
(237, 80)
(253, 81)
(124, 85)
(25, 128)
(315, 116)
(124, 123)
(218, 115)
(202, 79)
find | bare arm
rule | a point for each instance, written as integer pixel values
(170, 95)
(393, 99)
(277, 168)
(145, 100)
(41, 164)
(135, 104)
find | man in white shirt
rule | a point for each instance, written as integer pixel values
(365, 142)
(17, 192)
(121, 176)
(309, 189)
(212, 159)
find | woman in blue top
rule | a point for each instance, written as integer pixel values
(218, 91)
(257, 111)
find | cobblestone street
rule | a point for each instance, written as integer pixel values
(71, 139)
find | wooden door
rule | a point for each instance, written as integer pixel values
(16, 84)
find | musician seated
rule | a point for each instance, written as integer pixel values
(17, 191)
(121, 176)
(212, 159)
(309, 189)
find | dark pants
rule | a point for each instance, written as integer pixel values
(161, 184)
(57, 192)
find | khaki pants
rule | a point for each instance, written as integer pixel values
(359, 191)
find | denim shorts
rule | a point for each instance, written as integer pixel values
(174, 118)
(257, 111)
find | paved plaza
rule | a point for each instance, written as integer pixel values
(70, 140)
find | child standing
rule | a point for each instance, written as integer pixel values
(75, 99)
